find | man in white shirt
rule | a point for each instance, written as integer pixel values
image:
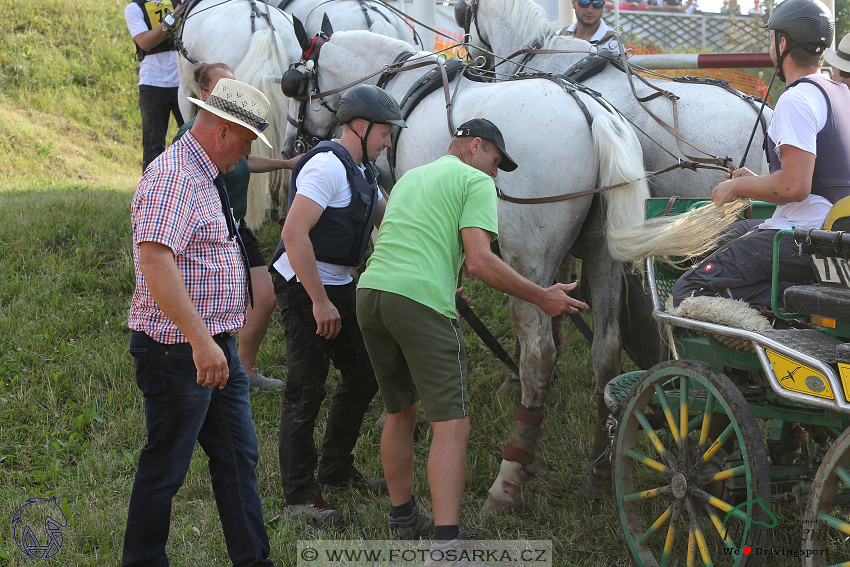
(334, 202)
(149, 24)
(808, 146)
(589, 24)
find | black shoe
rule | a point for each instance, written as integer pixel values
(377, 487)
(413, 526)
(318, 512)
(440, 554)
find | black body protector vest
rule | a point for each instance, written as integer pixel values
(154, 12)
(341, 235)
(831, 179)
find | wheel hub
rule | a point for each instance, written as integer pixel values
(680, 486)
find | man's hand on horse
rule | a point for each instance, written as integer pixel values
(556, 302)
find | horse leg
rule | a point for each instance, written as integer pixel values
(606, 277)
(536, 362)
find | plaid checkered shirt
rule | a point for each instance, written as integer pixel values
(177, 204)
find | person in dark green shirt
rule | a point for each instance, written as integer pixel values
(257, 322)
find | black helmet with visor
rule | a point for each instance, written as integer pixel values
(807, 23)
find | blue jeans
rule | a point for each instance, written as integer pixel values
(178, 411)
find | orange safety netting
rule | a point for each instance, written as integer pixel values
(744, 82)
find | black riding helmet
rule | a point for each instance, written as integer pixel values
(808, 24)
(369, 103)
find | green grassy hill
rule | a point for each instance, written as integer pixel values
(68, 95)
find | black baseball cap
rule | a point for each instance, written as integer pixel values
(486, 130)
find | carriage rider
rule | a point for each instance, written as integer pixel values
(150, 22)
(808, 149)
(334, 202)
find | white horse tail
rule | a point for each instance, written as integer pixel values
(678, 238)
(261, 69)
(620, 160)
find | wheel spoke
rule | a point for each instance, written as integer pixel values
(706, 419)
(660, 467)
(698, 533)
(692, 547)
(656, 525)
(719, 442)
(718, 503)
(683, 406)
(722, 531)
(843, 474)
(723, 475)
(656, 442)
(646, 494)
(834, 522)
(668, 413)
(667, 554)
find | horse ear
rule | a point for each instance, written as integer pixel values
(301, 34)
(327, 28)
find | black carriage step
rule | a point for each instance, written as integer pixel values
(830, 302)
(807, 341)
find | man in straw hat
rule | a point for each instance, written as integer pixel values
(192, 289)
(807, 149)
(840, 61)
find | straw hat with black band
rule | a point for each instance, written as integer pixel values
(840, 59)
(239, 103)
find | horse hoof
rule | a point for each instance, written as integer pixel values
(503, 501)
(511, 386)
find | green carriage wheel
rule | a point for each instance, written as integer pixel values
(669, 487)
(827, 526)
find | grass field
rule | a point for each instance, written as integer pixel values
(71, 417)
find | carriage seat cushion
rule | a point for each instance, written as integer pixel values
(830, 302)
(838, 217)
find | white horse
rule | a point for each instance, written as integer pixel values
(220, 32)
(349, 15)
(709, 115)
(549, 137)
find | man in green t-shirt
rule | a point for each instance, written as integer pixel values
(436, 214)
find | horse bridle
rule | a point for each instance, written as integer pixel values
(303, 86)
(465, 16)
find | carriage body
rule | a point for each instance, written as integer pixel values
(710, 447)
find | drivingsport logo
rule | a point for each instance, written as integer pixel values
(770, 538)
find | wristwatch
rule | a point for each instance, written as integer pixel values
(169, 21)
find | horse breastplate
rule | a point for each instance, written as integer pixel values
(831, 178)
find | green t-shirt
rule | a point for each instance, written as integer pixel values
(236, 181)
(419, 249)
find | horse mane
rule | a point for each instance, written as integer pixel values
(526, 18)
(566, 42)
(358, 36)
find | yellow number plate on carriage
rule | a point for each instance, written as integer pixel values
(844, 369)
(796, 377)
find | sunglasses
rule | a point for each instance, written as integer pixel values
(598, 4)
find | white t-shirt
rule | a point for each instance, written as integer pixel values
(159, 69)
(323, 180)
(800, 114)
(600, 33)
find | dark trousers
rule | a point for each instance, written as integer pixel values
(741, 267)
(178, 412)
(308, 361)
(156, 105)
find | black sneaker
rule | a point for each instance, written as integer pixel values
(413, 526)
(377, 487)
